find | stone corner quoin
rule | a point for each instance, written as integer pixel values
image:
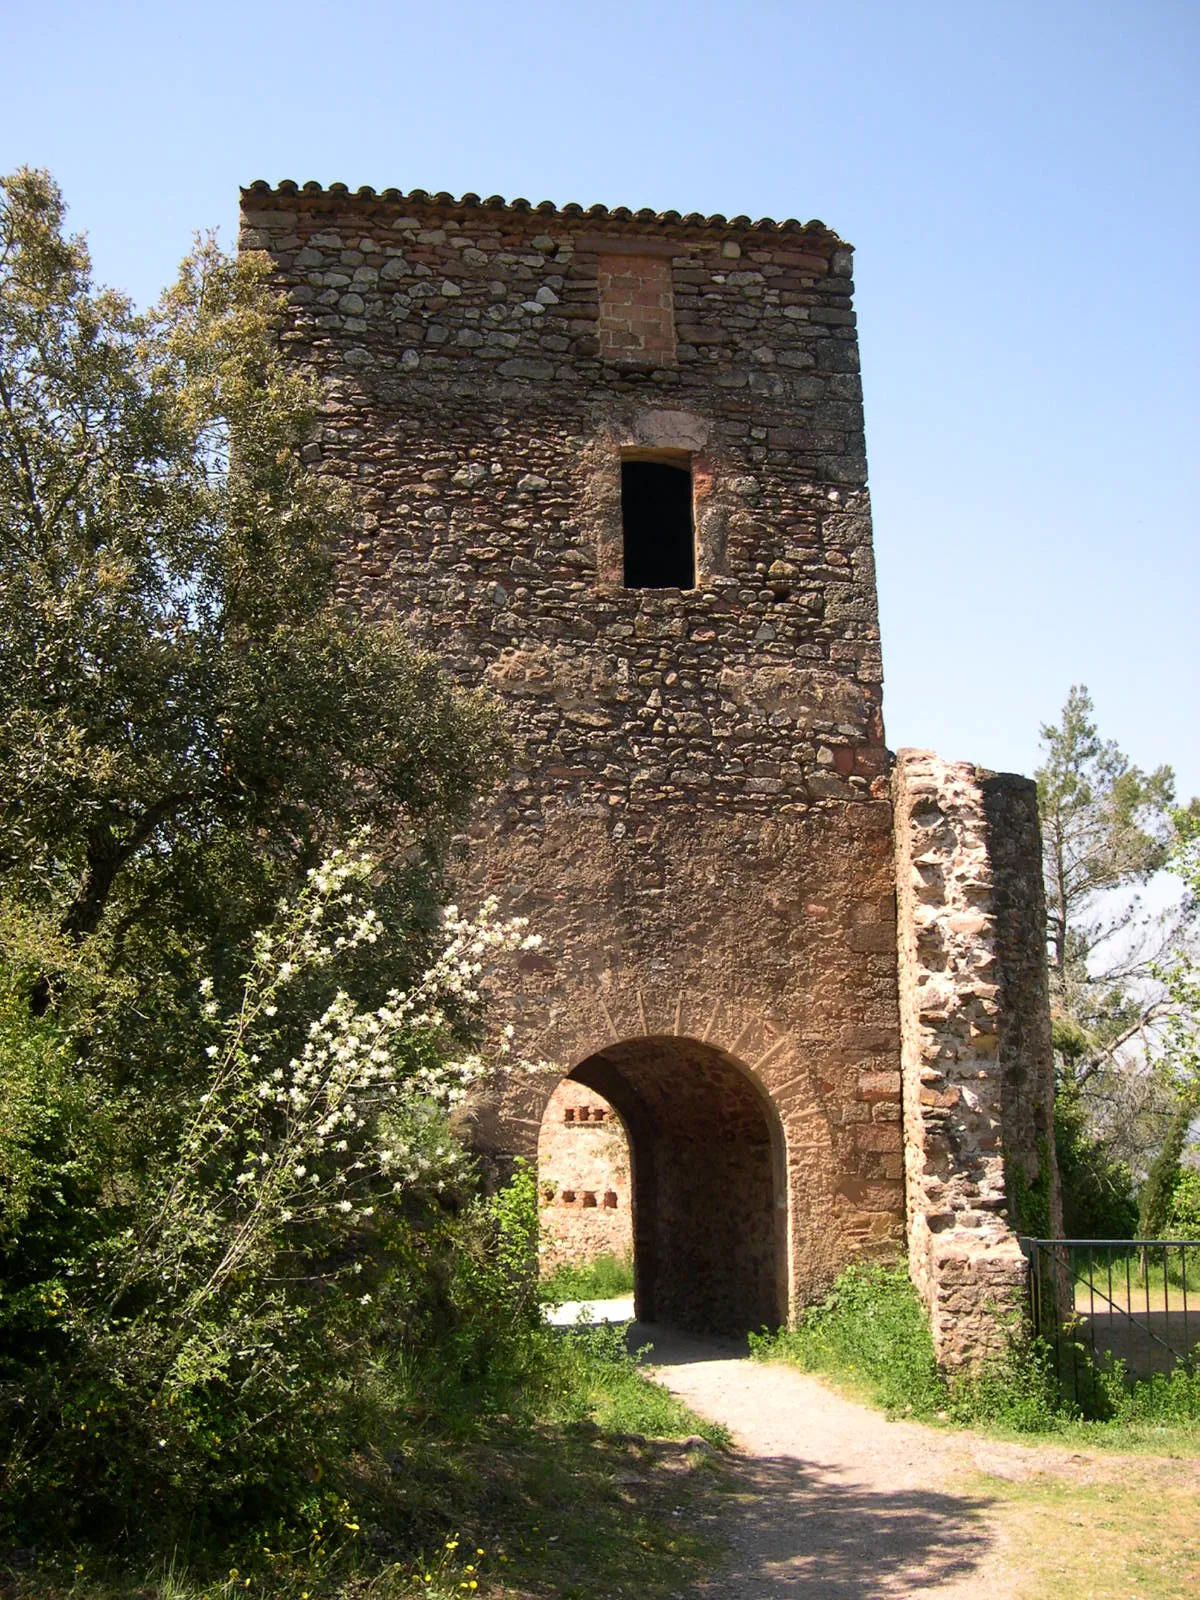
(809, 977)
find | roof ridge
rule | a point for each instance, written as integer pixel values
(646, 217)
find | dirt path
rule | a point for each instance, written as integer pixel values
(836, 1500)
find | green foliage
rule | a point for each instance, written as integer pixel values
(1017, 1392)
(605, 1277)
(1181, 973)
(1106, 825)
(871, 1332)
(1183, 1218)
(1107, 828)
(1097, 1189)
(872, 1329)
(482, 1338)
(1156, 1200)
(1172, 1398)
(229, 1200)
(285, 1223)
(599, 1379)
(1096, 1390)
(187, 717)
(1030, 1201)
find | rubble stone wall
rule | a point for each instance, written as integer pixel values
(698, 818)
(975, 1032)
(583, 1178)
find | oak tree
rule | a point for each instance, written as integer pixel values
(187, 714)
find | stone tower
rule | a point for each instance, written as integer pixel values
(610, 466)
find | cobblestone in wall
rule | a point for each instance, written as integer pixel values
(697, 819)
(975, 1041)
(583, 1178)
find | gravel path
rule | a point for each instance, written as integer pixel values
(836, 1501)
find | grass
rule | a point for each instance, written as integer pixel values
(870, 1336)
(603, 1383)
(1079, 1529)
(1152, 1269)
(522, 1512)
(1100, 1537)
(606, 1277)
(576, 1494)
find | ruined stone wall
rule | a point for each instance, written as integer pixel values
(975, 1031)
(1026, 1052)
(697, 819)
(583, 1178)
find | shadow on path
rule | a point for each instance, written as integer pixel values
(804, 1532)
(829, 1499)
(675, 1348)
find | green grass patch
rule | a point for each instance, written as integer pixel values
(605, 1278)
(602, 1381)
(870, 1335)
(1143, 1274)
(520, 1511)
(1097, 1536)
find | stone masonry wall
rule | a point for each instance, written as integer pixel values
(1026, 1052)
(975, 1032)
(698, 817)
(583, 1178)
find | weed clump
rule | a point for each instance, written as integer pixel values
(870, 1329)
(871, 1332)
(605, 1277)
(601, 1380)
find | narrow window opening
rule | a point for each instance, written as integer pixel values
(656, 511)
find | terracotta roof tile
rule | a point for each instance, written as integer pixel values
(620, 215)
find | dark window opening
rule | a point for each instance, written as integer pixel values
(656, 510)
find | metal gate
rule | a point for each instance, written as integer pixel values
(1130, 1305)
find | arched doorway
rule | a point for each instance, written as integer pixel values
(707, 1168)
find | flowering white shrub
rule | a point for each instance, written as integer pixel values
(287, 1235)
(304, 1130)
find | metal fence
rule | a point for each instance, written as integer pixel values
(1129, 1306)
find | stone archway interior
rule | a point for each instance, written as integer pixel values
(706, 1162)
(584, 1180)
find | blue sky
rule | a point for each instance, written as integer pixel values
(1020, 181)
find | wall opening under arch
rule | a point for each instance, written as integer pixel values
(708, 1183)
(584, 1180)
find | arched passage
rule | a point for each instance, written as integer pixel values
(707, 1160)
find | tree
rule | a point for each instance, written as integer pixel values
(187, 717)
(224, 1065)
(1156, 1200)
(1181, 974)
(1107, 829)
(1097, 1186)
